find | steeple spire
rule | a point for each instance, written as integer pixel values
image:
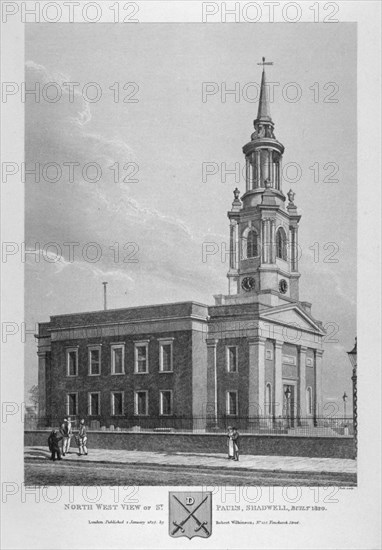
(263, 124)
(264, 113)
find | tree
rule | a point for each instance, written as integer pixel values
(33, 395)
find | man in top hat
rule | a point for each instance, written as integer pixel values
(68, 435)
(63, 435)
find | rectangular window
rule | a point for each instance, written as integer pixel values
(117, 403)
(165, 356)
(117, 359)
(141, 403)
(141, 352)
(309, 401)
(232, 357)
(165, 402)
(72, 362)
(231, 403)
(94, 361)
(72, 404)
(94, 404)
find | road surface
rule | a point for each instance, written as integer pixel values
(64, 472)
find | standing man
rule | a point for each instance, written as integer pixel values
(64, 435)
(69, 431)
(82, 439)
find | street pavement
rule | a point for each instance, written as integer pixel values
(216, 461)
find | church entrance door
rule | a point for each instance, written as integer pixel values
(289, 405)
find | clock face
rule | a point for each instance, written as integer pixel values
(283, 286)
(248, 283)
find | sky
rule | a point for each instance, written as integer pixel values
(167, 209)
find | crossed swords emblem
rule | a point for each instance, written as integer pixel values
(201, 524)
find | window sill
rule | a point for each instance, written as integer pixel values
(117, 373)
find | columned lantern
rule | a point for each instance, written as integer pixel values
(263, 154)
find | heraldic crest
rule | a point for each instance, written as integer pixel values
(190, 514)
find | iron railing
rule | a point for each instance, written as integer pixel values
(303, 426)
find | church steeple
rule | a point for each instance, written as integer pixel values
(264, 231)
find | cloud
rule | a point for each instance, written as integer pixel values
(105, 212)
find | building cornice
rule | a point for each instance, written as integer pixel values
(128, 322)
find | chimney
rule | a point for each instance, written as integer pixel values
(104, 296)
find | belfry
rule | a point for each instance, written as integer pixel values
(253, 359)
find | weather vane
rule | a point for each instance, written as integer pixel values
(265, 63)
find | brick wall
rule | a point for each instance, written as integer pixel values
(179, 381)
(324, 447)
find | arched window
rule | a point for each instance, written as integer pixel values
(252, 250)
(281, 244)
(268, 400)
(309, 400)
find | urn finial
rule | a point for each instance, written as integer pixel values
(291, 196)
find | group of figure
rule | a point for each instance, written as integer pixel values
(59, 440)
(233, 443)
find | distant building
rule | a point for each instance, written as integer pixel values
(255, 356)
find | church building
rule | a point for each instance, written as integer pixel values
(253, 359)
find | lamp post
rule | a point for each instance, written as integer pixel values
(287, 395)
(345, 398)
(353, 361)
